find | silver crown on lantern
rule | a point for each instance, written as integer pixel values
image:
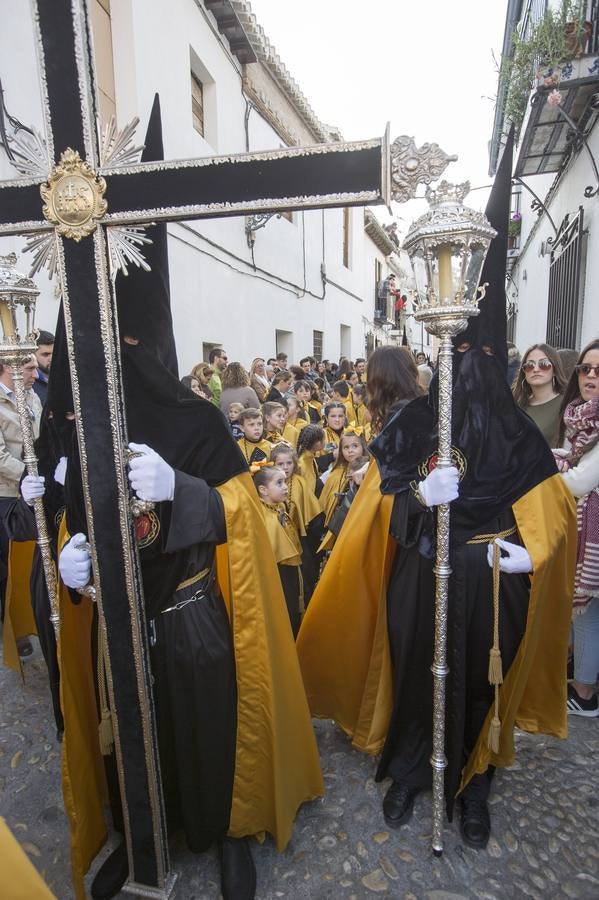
(447, 248)
(18, 297)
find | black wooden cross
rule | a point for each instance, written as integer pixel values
(75, 202)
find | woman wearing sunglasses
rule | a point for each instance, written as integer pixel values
(538, 389)
(579, 465)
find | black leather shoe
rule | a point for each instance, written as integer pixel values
(111, 875)
(475, 824)
(237, 870)
(398, 804)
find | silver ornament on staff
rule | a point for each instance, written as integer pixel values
(18, 296)
(447, 248)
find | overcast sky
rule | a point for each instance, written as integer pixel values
(426, 67)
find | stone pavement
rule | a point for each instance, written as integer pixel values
(545, 821)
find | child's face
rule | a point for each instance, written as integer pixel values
(276, 490)
(234, 410)
(252, 429)
(276, 420)
(303, 393)
(292, 407)
(353, 378)
(351, 448)
(285, 464)
(317, 447)
(336, 419)
(358, 399)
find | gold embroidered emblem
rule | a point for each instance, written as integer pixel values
(73, 196)
(457, 458)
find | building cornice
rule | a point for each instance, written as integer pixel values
(377, 234)
(268, 56)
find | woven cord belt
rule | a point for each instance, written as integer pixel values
(495, 664)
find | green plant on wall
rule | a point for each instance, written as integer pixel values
(552, 41)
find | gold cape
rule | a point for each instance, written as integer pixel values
(335, 484)
(245, 445)
(20, 880)
(284, 543)
(308, 469)
(304, 507)
(18, 613)
(343, 641)
(277, 767)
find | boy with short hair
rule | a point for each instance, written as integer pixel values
(252, 443)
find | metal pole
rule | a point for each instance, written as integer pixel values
(30, 461)
(442, 572)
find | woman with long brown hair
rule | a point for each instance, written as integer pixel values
(579, 466)
(392, 378)
(236, 388)
(538, 389)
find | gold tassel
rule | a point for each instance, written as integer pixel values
(106, 733)
(105, 729)
(494, 734)
(495, 666)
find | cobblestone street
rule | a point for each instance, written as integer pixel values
(544, 812)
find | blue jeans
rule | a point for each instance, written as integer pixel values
(586, 644)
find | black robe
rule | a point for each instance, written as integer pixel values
(410, 617)
(193, 665)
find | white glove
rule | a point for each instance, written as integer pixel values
(60, 472)
(74, 563)
(32, 487)
(517, 561)
(439, 486)
(151, 477)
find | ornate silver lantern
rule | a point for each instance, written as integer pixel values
(447, 248)
(18, 296)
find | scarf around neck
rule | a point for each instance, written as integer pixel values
(581, 418)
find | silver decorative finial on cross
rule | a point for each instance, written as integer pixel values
(411, 166)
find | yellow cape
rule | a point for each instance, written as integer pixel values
(18, 614)
(20, 881)
(277, 767)
(308, 469)
(343, 643)
(335, 484)
(304, 504)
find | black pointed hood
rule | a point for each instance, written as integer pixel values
(489, 328)
(143, 298)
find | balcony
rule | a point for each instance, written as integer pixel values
(548, 138)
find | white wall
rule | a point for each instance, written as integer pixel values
(531, 274)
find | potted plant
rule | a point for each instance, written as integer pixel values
(513, 230)
(559, 36)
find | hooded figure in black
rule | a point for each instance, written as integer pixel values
(186, 441)
(501, 458)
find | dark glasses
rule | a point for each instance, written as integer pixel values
(543, 364)
(586, 369)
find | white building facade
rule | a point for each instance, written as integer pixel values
(553, 285)
(302, 282)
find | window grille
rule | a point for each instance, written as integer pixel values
(566, 284)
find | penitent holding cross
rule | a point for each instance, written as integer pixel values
(95, 197)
